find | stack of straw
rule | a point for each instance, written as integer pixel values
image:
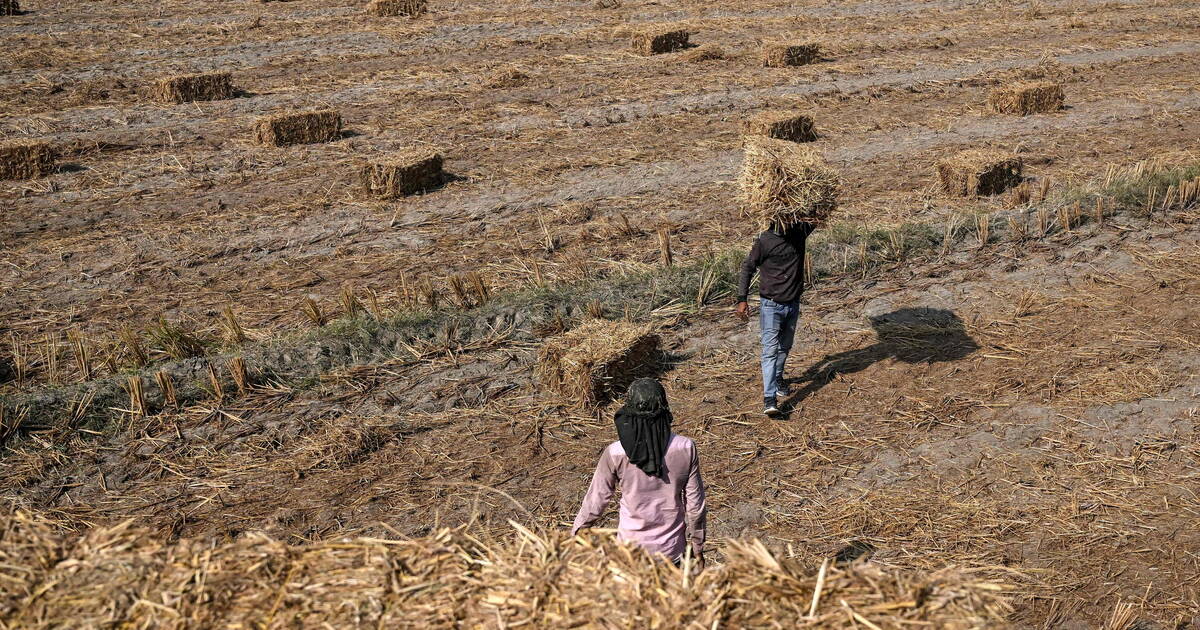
(299, 128)
(595, 362)
(403, 174)
(1028, 97)
(213, 86)
(654, 43)
(776, 55)
(979, 172)
(393, 8)
(784, 183)
(121, 577)
(782, 126)
(10, 7)
(26, 159)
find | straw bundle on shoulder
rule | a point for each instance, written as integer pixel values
(393, 8)
(784, 183)
(26, 159)
(405, 173)
(779, 55)
(782, 126)
(1026, 97)
(185, 88)
(595, 362)
(979, 172)
(658, 42)
(299, 128)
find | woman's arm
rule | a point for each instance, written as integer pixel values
(697, 510)
(598, 494)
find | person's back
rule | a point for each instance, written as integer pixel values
(662, 493)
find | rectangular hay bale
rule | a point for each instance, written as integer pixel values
(784, 183)
(403, 174)
(596, 362)
(394, 8)
(777, 55)
(979, 172)
(652, 43)
(185, 88)
(26, 159)
(299, 128)
(1026, 97)
(10, 7)
(782, 126)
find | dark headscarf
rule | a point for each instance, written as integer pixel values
(644, 426)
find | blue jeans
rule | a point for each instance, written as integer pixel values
(778, 332)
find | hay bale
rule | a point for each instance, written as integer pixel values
(1026, 97)
(597, 361)
(10, 7)
(26, 159)
(298, 128)
(782, 126)
(393, 8)
(654, 43)
(403, 174)
(185, 88)
(784, 183)
(979, 172)
(777, 55)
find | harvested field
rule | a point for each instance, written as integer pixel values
(223, 341)
(26, 159)
(212, 86)
(1026, 97)
(392, 8)
(657, 43)
(291, 128)
(777, 55)
(594, 363)
(405, 173)
(782, 126)
(979, 172)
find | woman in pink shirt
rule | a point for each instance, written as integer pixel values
(662, 495)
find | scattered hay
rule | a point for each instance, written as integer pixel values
(185, 88)
(782, 126)
(298, 128)
(406, 173)
(393, 8)
(595, 362)
(655, 43)
(979, 172)
(26, 159)
(784, 183)
(10, 7)
(1026, 97)
(505, 78)
(707, 52)
(122, 576)
(776, 55)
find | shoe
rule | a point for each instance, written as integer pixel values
(770, 408)
(782, 389)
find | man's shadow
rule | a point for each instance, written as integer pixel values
(911, 335)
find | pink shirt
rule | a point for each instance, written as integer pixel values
(655, 513)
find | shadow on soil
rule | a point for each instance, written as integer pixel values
(911, 335)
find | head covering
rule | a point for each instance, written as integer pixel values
(644, 426)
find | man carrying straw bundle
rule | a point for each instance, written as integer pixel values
(791, 191)
(662, 494)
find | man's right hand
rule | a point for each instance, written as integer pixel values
(742, 310)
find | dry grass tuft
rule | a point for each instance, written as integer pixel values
(393, 8)
(291, 128)
(784, 183)
(185, 88)
(405, 173)
(782, 126)
(707, 52)
(119, 576)
(778, 55)
(1026, 97)
(26, 159)
(595, 362)
(979, 172)
(655, 43)
(176, 342)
